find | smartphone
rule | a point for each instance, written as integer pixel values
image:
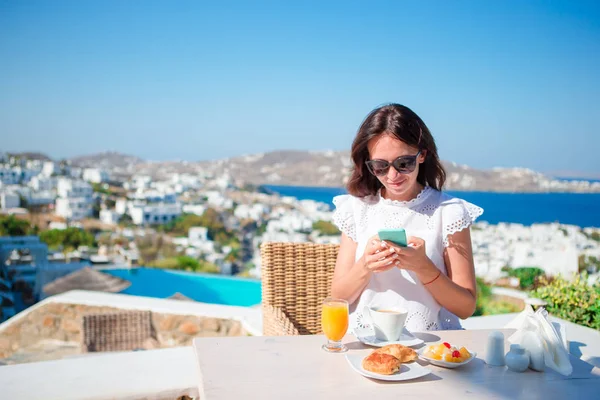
(396, 236)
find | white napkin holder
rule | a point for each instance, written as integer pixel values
(553, 339)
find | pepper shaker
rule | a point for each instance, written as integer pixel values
(517, 359)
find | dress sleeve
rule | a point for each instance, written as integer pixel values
(343, 216)
(458, 214)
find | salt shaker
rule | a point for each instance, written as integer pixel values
(495, 349)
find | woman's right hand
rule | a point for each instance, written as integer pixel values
(379, 256)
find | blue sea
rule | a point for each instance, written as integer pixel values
(581, 209)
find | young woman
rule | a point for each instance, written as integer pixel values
(396, 183)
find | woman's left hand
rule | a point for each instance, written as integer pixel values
(414, 258)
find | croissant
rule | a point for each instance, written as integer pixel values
(381, 363)
(402, 353)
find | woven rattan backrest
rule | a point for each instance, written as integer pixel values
(296, 277)
(118, 331)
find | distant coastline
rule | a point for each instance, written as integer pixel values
(566, 179)
(580, 209)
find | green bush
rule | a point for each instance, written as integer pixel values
(326, 228)
(12, 226)
(594, 236)
(211, 219)
(69, 239)
(233, 255)
(244, 274)
(486, 305)
(261, 229)
(527, 276)
(589, 264)
(185, 263)
(165, 263)
(494, 307)
(574, 301)
(101, 188)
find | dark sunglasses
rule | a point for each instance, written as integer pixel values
(402, 164)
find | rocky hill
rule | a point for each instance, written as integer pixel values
(30, 155)
(331, 168)
(326, 168)
(106, 160)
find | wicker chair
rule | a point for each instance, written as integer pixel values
(296, 277)
(130, 330)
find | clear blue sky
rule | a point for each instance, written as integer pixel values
(499, 83)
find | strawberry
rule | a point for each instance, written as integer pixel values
(446, 344)
(456, 353)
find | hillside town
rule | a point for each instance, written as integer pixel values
(209, 222)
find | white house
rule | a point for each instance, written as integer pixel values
(110, 217)
(95, 175)
(217, 199)
(155, 214)
(41, 198)
(35, 198)
(121, 206)
(291, 222)
(75, 199)
(34, 165)
(49, 168)
(75, 173)
(74, 188)
(42, 182)
(223, 182)
(197, 209)
(162, 186)
(311, 207)
(254, 211)
(552, 247)
(9, 199)
(155, 196)
(10, 176)
(198, 233)
(74, 208)
(57, 225)
(197, 242)
(185, 182)
(215, 258)
(19, 175)
(181, 241)
(138, 182)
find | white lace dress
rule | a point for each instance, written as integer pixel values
(432, 216)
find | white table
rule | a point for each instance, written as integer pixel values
(162, 374)
(295, 367)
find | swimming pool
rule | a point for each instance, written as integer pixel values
(206, 288)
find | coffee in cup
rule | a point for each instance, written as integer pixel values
(388, 322)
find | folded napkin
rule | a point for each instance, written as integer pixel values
(555, 354)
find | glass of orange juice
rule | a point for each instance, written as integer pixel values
(334, 321)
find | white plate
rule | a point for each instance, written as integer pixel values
(367, 337)
(407, 371)
(442, 363)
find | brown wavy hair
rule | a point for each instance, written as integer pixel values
(402, 123)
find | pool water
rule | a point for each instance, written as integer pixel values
(205, 288)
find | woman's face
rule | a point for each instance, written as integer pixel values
(397, 186)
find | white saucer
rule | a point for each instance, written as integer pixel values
(407, 371)
(368, 338)
(442, 363)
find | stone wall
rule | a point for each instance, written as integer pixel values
(63, 322)
(519, 303)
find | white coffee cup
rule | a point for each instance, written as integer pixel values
(388, 322)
